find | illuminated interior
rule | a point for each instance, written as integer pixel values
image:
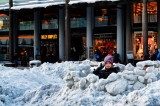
(151, 9)
(138, 43)
(106, 46)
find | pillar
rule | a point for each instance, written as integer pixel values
(61, 34)
(67, 33)
(129, 44)
(15, 32)
(145, 27)
(120, 32)
(37, 28)
(158, 24)
(10, 31)
(89, 30)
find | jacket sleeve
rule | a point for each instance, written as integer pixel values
(96, 72)
(116, 69)
(158, 56)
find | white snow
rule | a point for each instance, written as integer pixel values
(30, 4)
(73, 84)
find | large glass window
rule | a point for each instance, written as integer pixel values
(25, 45)
(4, 48)
(78, 18)
(26, 25)
(78, 22)
(105, 44)
(138, 43)
(50, 20)
(105, 16)
(4, 22)
(151, 9)
(26, 21)
(101, 21)
(50, 24)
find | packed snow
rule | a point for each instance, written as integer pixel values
(73, 84)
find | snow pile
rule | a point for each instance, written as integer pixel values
(130, 78)
(72, 83)
(88, 62)
(14, 83)
(121, 66)
(148, 96)
(141, 64)
(76, 76)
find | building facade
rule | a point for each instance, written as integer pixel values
(106, 25)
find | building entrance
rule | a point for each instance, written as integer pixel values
(78, 48)
(49, 51)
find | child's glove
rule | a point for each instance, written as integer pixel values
(101, 65)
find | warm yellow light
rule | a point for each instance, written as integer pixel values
(26, 37)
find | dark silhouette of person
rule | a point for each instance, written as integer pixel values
(146, 54)
(154, 56)
(74, 54)
(116, 57)
(16, 58)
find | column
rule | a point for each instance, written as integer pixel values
(120, 32)
(61, 34)
(129, 44)
(37, 28)
(158, 24)
(10, 31)
(15, 32)
(145, 27)
(89, 30)
(67, 33)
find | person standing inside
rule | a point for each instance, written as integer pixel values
(15, 58)
(116, 57)
(154, 56)
(37, 53)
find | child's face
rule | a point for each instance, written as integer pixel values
(108, 65)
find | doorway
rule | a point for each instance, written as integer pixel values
(79, 44)
(49, 51)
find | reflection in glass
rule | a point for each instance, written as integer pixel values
(101, 21)
(77, 22)
(4, 48)
(4, 22)
(151, 9)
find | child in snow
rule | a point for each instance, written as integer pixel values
(103, 71)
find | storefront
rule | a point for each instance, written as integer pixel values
(152, 29)
(49, 48)
(105, 30)
(25, 49)
(78, 32)
(4, 37)
(49, 40)
(138, 43)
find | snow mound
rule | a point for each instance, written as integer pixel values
(72, 83)
(148, 63)
(148, 96)
(38, 95)
(130, 78)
